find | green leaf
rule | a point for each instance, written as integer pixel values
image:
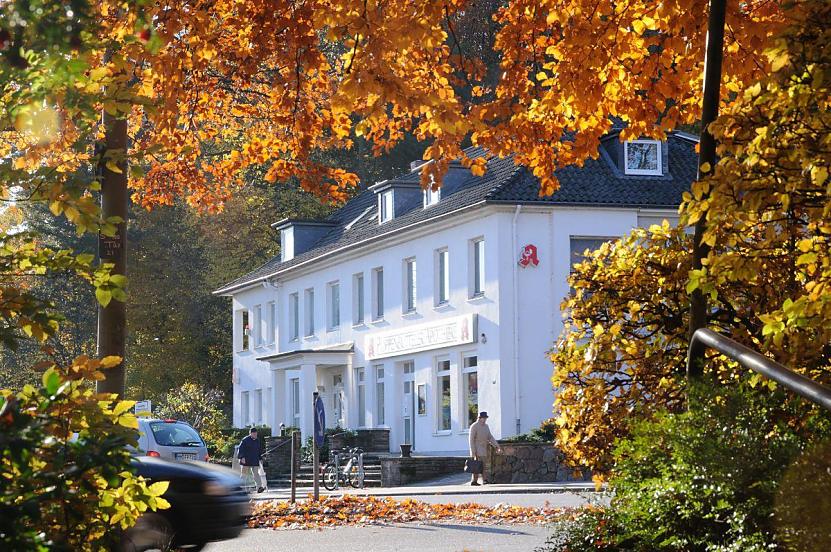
(51, 381)
(104, 296)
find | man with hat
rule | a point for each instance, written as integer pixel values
(480, 439)
(249, 454)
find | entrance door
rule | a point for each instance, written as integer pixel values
(408, 404)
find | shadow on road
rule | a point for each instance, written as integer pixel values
(474, 528)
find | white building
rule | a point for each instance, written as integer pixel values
(413, 311)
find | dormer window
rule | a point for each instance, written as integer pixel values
(643, 157)
(287, 244)
(385, 206)
(431, 197)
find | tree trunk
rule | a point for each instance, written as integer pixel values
(112, 319)
(706, 158)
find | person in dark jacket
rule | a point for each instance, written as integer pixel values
(249, 454)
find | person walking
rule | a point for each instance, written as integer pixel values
(249, 454)
(480, 439)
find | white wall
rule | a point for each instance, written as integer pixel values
(539, 291)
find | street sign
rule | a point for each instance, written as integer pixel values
(143, 409)
(320, 421)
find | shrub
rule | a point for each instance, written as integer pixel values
(199, 406)
(65, 478)
(546, 433)
(703, 480)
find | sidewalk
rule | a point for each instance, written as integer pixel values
(450, 485)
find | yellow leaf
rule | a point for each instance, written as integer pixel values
(110, 361)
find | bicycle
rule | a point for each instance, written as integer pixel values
(351, 474)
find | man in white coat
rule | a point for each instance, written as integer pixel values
(480, 439)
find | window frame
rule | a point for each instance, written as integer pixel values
(477, 267)
(294, 386)
(294, 316)
(271, 326)
(440, 374)
(386, 206)
(431, 197)
(360, 385)
(380, 395)
(465, 389)
(244, 408)
(358, 299)
(659, 171)
(309, 312)
(442, 277)
(258, 326)
(410, 285)
(378, 307)
(333, 314)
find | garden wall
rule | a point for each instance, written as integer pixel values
(530, 463)
(397, 471)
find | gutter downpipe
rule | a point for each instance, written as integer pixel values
(516, 317)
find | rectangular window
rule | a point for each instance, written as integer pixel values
(358, 299)
(443, 399)
(243, 409)
(378, 294)
(579, 247)
(477, 267)
(258, 326)
(442, 277)
(422, 399)
(246, 330)
(294, 317)
(258, 406)
(271, 327)
(359, 376)
(333, 291)
(431, 197)
(310, 312)
(642, 157)
(267, 419)
(295, 401)
(379, 395)
(470, 379)
(409, 285)
(385, 206)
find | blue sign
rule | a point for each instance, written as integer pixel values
(320, 421)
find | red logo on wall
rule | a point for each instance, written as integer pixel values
(528, 257)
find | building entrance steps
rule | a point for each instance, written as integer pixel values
(305, 477)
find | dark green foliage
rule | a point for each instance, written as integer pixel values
(706, 480)
(546, 433)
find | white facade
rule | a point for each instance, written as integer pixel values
(402, 383)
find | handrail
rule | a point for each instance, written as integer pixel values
(705, 338)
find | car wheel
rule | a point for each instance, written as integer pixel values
(151, 532)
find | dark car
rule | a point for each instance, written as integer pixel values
(207, 503)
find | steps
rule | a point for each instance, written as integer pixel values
(305, 479)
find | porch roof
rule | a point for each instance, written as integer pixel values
(331, 354)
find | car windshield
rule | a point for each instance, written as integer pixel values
(175, 434)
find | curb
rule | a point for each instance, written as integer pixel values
(398, 492)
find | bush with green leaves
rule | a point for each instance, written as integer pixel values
(707, 480)
(65, 476)
(545, 433)
(201, 407)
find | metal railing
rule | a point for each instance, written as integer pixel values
(705, 338)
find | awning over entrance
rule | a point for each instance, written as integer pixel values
(331, 354)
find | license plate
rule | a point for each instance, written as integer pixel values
(185, 456)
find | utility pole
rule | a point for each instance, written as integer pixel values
(706, 159)
(112, 319)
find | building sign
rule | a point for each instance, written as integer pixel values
(143, 409)
(448, 332)
(528, 256)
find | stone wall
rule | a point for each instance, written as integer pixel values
(277, 456)
(371, 440)
(530, 463)
(397, 471)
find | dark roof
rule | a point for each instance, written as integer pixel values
(599, 182)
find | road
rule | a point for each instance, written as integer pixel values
(388, 538)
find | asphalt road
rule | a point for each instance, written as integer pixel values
(388, 538)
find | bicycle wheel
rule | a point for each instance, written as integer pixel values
(330, 478)
(356, 477)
